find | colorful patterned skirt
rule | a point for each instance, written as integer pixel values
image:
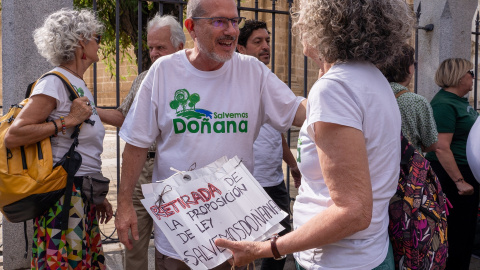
(78, 248)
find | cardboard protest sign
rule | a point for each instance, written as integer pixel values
(221, 200)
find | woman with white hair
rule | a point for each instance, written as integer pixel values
(350, 141)
(69, 40)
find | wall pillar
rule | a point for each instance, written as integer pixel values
(451, 38)
(21, 66)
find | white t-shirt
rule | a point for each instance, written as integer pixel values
(473, 149)
(90, 138)
(197, 116)
(268, 154)
(356, 95)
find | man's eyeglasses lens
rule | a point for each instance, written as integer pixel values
(472, 73)
(222, 22)
(98, 39)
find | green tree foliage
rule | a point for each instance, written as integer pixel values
(128, 36)
(182, 96)
(194, 99)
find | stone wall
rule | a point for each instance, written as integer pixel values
(106, 82)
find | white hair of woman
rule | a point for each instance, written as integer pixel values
(61, 32)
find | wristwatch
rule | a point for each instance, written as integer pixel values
(273, 246)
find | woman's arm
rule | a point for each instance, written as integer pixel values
(30, 127)
(446, 159)
(344, 162)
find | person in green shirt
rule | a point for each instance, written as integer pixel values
(454, 118)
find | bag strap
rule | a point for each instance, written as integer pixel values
(73, 95)
(66, 82)
(70, 168)
(407, 151)
(401, 93)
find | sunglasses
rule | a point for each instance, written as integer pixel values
(471, 73)
(97, 39)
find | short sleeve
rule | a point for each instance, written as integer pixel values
(140, 127)
(427, 126)
(445, 117)
(332, 102)
(53, 87)
(127, 102)
(279, 102)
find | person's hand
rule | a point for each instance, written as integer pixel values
(244, 252)
(125, 220)
(80, 111)
(297, 176)
(464, 188)
(104, 211)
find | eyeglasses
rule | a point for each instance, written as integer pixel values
(222, 22)
(97, 39)
(471, 73)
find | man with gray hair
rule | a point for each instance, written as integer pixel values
(164, 36)
(198, 105)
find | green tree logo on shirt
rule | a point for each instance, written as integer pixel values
(299, 144)
(186, 103)
(80, 91)
(185, 106)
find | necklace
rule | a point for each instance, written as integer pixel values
(71, 71)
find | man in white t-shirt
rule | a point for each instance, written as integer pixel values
(198, 105)
(270, 147)
(164, 36)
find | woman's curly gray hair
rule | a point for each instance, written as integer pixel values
(342, 30)
(61, 32)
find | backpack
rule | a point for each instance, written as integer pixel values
(29, 181)
(418, 214)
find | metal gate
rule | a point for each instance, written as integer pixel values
(275, 14)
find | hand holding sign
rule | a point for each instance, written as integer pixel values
(195, 208)
(244, 252)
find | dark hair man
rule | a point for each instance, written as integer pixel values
(220, 82)
(254, 40)
(270, 147)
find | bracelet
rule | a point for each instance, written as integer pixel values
(64, 128)
(273, 246)
(56, 128)
(458, 180)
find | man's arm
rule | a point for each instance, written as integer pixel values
(116, 117)
(291, 162)
(111, 116)
(126, 218)
(301, 114)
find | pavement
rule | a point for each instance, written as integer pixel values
(114, 251)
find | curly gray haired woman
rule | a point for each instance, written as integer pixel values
(369, 30)
(350, 141)
(62, 31)
(69, 39)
